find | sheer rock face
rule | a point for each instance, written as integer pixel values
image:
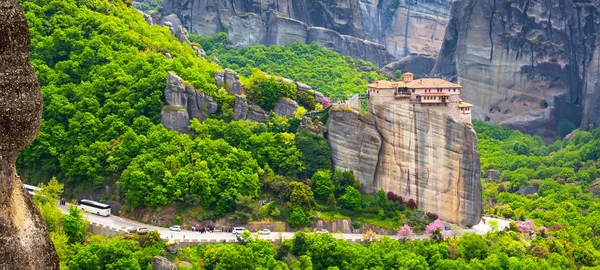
(24, 242)
(401, 27)
(229, 80)
(416, 153)
(286, 107)
(419, 65)
(525, 63)
(184, 103)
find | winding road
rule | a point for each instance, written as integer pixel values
(119, 223)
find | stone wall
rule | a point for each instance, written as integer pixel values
(414, 152)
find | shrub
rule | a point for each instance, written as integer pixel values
(298, 218)
(405, 233)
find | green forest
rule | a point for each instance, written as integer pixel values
(326, 71)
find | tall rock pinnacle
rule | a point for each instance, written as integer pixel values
(24, 242)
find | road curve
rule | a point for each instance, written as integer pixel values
(120, 223)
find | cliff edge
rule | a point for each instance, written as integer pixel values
(24, 242)
(417, 153)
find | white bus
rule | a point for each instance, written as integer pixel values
(94, 207)
(31, 189)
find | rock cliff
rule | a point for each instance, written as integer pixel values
(184, 103)
(400, 27)
(24, 242)
(525, 63)
(416, 153)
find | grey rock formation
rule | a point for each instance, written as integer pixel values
(251, 29)
(177, 29)
(199, 51)
(284, 31)
(285, 107)
(526, 64)
(247, 29)
(174, 248)
(416, 153)
(147, 17)
(257, 114)
(328, 39)
(591, 91)
(24, 242)
(184, 103)
(302, 87)
(229, 80)
(240, 108)
(244, 111)
(162, 263)
(418, 64)
(401, 26)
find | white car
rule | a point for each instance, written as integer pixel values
(322, 231)
(176, 228)
(265, 232)
(238, 230)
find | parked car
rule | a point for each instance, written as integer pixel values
(142, 231)
(176, 228)
(132, 230)
(265, 232)
(319, 230)
(447, 228)
(238, 230)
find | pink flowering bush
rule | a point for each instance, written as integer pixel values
(526, 227)
(326, 102)
(405, 233)
(434, 230)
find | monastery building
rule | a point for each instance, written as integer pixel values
(434, 93)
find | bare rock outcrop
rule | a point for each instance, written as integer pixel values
(24, 242)
(401, 27)
(162, 263)
(416, 153)
(177, 29)
(286, 107)
(229, 80)
(184, 103)
(525, 64)
(251, 29)
(418, 64)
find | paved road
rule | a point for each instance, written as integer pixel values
(123, 223)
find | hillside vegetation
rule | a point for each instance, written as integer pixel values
(326, 71)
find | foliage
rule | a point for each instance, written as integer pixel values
(298, 218)
(323, 251)
(102, 74)
(434, 230)
(74, 225)
(326, 71)
(267, 90)
(405, 233)
(351, 199)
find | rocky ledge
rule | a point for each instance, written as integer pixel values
(416, 153)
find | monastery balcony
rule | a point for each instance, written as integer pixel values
(401, 95)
